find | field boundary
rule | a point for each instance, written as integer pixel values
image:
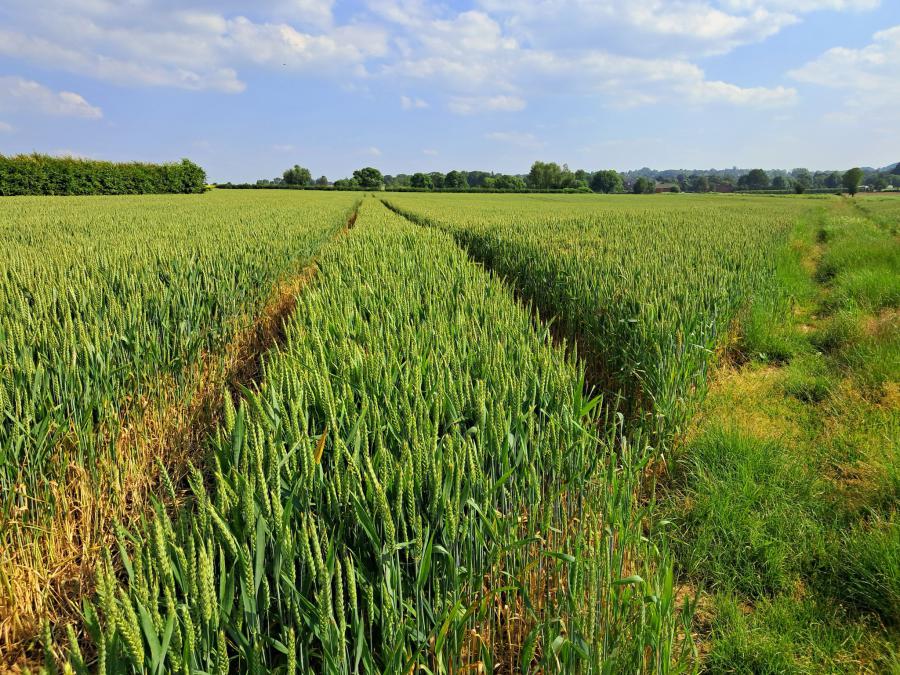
(156, 443)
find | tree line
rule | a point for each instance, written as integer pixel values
(550, 176)
(45, 175)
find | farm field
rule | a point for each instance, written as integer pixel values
(511, 433)
(608, 278)
(114, 318)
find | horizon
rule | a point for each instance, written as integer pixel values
(414, 85)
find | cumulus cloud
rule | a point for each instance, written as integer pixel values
(493, 57)
(469, 105)
(757, 97)
(26, 96)
(803, 6)
(408, 103)
(516, 138)
(869, 73)
(512, 67)
(164, 44)
(5, 127)
(685, 28)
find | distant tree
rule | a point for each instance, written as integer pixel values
(880, 181)
(263, 181)
(644, 186)
(834, 180)
(544, 176)
(347, 183)
(369, 178)
(676, 188)
(566, 180)
(297, 175)
(606, 181)
(581, 174)
(757, 179)
(322, 181)
(506, 182)
(852, 179)
(698, 183)
(421, 180)
(896, 169)
(780, 183)
(455, 179)
(803, 180)
(437, 179)
(477, 178)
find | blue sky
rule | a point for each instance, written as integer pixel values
(247, 89)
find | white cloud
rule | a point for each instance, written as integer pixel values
(519, 139)
(625, 82)
(493, 57)
(283, 147)
(117, 70)
(313, 12)
(803, 6)
(372, 151)
(159, 43)
(683, 28)
(430, 152)
(26, 96)
(869, 75)
(469, 105)
(508, 69)
(5, 127)
(757, 97)
(408, 103)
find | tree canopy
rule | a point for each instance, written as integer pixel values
(421, 180)
(456, 179)
(297, 175)
(644, 186)
(852, 179)
(606, 181)
(369, 178)
(757, 179)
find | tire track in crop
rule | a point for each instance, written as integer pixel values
(156, 442)
(598, 378)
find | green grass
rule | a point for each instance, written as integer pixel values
(862, 568)
(797, 633)
(809, 379)
(746, 507)
(786, 497)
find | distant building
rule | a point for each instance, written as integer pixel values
(666, 187)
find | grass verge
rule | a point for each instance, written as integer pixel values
(786, 492)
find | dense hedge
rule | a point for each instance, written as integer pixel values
(45, 175)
